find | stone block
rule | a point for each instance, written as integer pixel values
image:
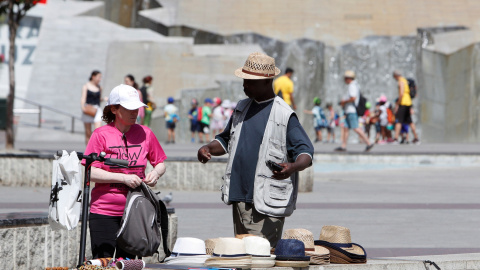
(37, 237)
(7, 247)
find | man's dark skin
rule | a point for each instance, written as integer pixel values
(259, 90)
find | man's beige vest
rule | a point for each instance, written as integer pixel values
(271, 197)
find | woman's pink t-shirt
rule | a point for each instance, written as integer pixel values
(140, 146)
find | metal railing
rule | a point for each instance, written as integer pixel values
(41, 107)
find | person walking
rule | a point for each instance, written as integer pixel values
(205, 120)
(193, 116)
(147, 94)
(283, 87)
(262, 134)
(348, 103)
(332, 123)
(90, 104)
(319, 118)
(403, 106)
(171, 119)
(120, 138)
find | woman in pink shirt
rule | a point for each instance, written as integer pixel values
(123, 139)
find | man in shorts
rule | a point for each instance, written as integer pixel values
(205, 120)
(351, 117)
(404, 105)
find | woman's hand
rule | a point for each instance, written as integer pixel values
(132, 180)
(151, 178)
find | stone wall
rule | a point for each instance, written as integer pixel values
(38, 247)
(181, 174)
(333, 22)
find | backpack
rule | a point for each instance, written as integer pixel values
(390, 116)
(144, 226)
(66, 194)
(413, 87)
(199, 114)
(322, 121)
(362, 105)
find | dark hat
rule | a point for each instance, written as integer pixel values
(291, 253)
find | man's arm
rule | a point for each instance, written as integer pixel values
(401, 90)
(214, 148)
(343, 102)
(302, 162)
(293, 101)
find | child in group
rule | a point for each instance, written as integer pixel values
(205, 120)
(366, 119)
(332, 123)
(171, 118)
(383, 117)
(319, 119)
(404, 133)
(227, 107)
(218, 117)
(193, 115)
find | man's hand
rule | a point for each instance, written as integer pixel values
(203, 154)
(303, 161)
(286, 172)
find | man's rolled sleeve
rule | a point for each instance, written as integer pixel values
(224, 137)
(298, 142)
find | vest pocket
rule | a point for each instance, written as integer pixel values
(277, 192)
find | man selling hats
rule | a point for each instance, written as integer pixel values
(266, 146)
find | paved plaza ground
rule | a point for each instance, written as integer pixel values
(391, 211)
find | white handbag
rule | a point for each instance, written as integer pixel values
(66, 194)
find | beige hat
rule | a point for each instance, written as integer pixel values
(229, 252)
(338, 241)
(349, 74)
(259, 248)
(318, 254)
(241, 236)
(258, 66)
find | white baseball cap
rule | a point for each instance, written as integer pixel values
(126, 96)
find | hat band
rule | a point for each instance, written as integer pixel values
(261, 256)
(176, 254)
(310, 249)
(228, 255)
(258, 74)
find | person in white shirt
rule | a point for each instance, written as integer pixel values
(349, 103)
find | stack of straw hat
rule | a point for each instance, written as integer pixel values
(318, 255)
(230, 253)
(188, 251)
(338, 241)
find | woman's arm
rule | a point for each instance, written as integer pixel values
(101, 176)
(157, 172)
(83, 99)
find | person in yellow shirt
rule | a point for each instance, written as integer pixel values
(283, 87)
(404, 105)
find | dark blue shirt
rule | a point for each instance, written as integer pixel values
(246, 157)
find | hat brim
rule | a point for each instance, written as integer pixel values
(133, 105)
(239, 73)
(355, 251)
(292, 263)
